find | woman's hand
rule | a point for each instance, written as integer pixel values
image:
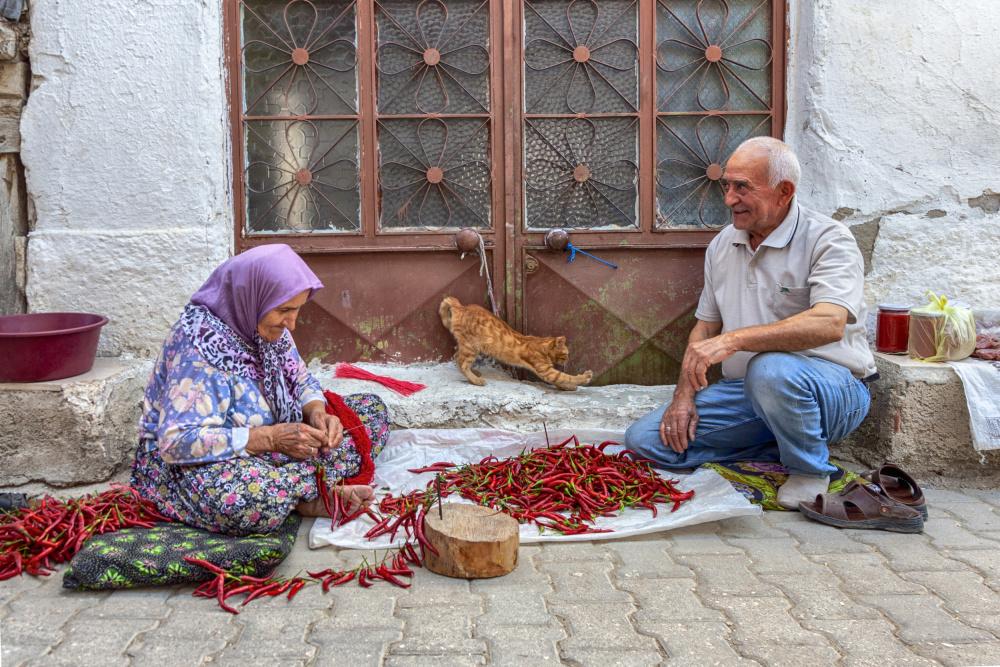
(299, 441)
(314, 414)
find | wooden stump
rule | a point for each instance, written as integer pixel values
(473, 542)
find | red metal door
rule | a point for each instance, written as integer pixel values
(368, 133)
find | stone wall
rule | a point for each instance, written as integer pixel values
(14, 78)
(894, 110)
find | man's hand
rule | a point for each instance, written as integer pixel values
(679, 423)
(701, 355)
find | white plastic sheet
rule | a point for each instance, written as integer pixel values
(714, 498)
(981, 382)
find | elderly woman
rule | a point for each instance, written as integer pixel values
(233, 424)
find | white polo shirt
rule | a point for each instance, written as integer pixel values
(808, 259)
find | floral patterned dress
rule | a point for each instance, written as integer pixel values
(192, 460)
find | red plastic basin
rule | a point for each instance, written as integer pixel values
(48, 346)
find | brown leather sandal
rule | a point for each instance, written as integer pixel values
(859, 506)
(899, 486)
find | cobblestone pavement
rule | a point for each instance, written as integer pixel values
(777, 590)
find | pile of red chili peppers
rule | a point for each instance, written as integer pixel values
(581, 481)
(33, 539)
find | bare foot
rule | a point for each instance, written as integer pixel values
(352, 496)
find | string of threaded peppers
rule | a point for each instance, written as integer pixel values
(51, 531)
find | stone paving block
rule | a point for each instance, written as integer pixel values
(582, 582)
(600, 627)
(777, 519)
(946, 533)
(818, 596)
(518, 606)
(338, 646)
(256, 662)
(726, 575)
(921, 619)
(439, 630)
(40, 620)
(818, 539)
(647, 559)
(611, 658)
(988, 622)
(272, 635)
(12, 588)
(14, 654)
(206, 625)
(520, 645)
(867, 574)
(355, 607)
(976, 516)
(156, 653)
(140, 603)
(430, 589)
(782, 655)
(696, 644)
(961, 655)
(668, 600)
(906, 552)
(986, 563)
(699, 540)
(991, 496)
(963, 592)
(749, 526)
(449, 660)
(98, 641)
(869, 643)
(571, 552)
(759, 620)
(775, 556)
(934, 496)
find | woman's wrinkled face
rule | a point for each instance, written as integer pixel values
(276, 320)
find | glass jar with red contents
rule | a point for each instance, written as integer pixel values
(892, 332)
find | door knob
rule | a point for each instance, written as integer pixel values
(467, 240)
(557, 240)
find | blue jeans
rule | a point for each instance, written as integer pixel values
(786, 410)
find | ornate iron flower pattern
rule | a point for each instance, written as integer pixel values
(690, 193)
(580, 175)
(299, 59)
(435, 175)
(302, 176)
(585, 64)
(730, 64)
(439, 55)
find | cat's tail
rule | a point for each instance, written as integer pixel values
(445, 310)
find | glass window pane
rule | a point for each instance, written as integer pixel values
(581, 173)
(433, 56)
(302, 176)
(434, 174)
(299, 58)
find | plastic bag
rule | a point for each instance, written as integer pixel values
(988, 335)
(939, 332)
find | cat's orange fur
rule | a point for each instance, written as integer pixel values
(478, 331)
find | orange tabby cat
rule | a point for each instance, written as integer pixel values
(478, 331)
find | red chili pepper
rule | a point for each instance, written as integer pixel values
(343, 580)
(296, 588)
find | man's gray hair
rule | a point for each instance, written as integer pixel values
(782, 163)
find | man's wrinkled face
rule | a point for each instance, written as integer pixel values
(756, 206)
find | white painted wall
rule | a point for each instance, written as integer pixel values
(125, 146)
(895, 106)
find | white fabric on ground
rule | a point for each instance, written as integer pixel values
(714, 497)
(981, 381)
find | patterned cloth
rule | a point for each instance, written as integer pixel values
(254, 494)
(759, 482)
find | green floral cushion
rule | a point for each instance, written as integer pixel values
(759, 482)
(137, 557)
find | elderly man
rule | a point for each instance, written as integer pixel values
(783, 311)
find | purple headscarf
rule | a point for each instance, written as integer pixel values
(221, 321)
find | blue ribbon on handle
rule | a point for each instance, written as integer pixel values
(572, 254)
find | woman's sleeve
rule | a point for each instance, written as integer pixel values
(309, 387)
(197, 399)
